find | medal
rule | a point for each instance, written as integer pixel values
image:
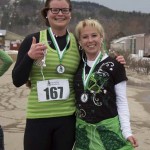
(60, 69)
(84, 97)
(86, 78)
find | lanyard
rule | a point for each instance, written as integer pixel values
(85, 78)
(59, 52)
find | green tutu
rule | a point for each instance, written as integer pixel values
(105, 135)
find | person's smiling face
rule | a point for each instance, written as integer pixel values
(58, 20)
(90, 40)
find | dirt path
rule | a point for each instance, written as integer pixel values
(13, 104)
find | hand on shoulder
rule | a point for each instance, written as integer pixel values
(121, 59)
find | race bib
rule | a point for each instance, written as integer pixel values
(57, 89)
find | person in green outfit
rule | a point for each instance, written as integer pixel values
(6, 62)
(103, 121)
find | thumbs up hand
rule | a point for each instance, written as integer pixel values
(36, 50)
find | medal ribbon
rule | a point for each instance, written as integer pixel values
(60, 53)
(86, 79)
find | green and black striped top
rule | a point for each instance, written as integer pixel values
(71, 61)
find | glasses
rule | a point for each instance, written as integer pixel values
(57, 10)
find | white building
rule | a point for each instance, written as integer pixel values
(135, 44)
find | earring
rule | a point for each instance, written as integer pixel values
(46, 17)
(80, 48)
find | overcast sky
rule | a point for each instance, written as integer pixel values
(124, 5)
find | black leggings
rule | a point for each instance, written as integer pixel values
(50, 133)
(1, 138)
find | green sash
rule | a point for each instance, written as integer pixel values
(105, 135)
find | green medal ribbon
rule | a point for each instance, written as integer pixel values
(59, 52)
(85, 78)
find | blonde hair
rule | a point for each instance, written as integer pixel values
(89, 22)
